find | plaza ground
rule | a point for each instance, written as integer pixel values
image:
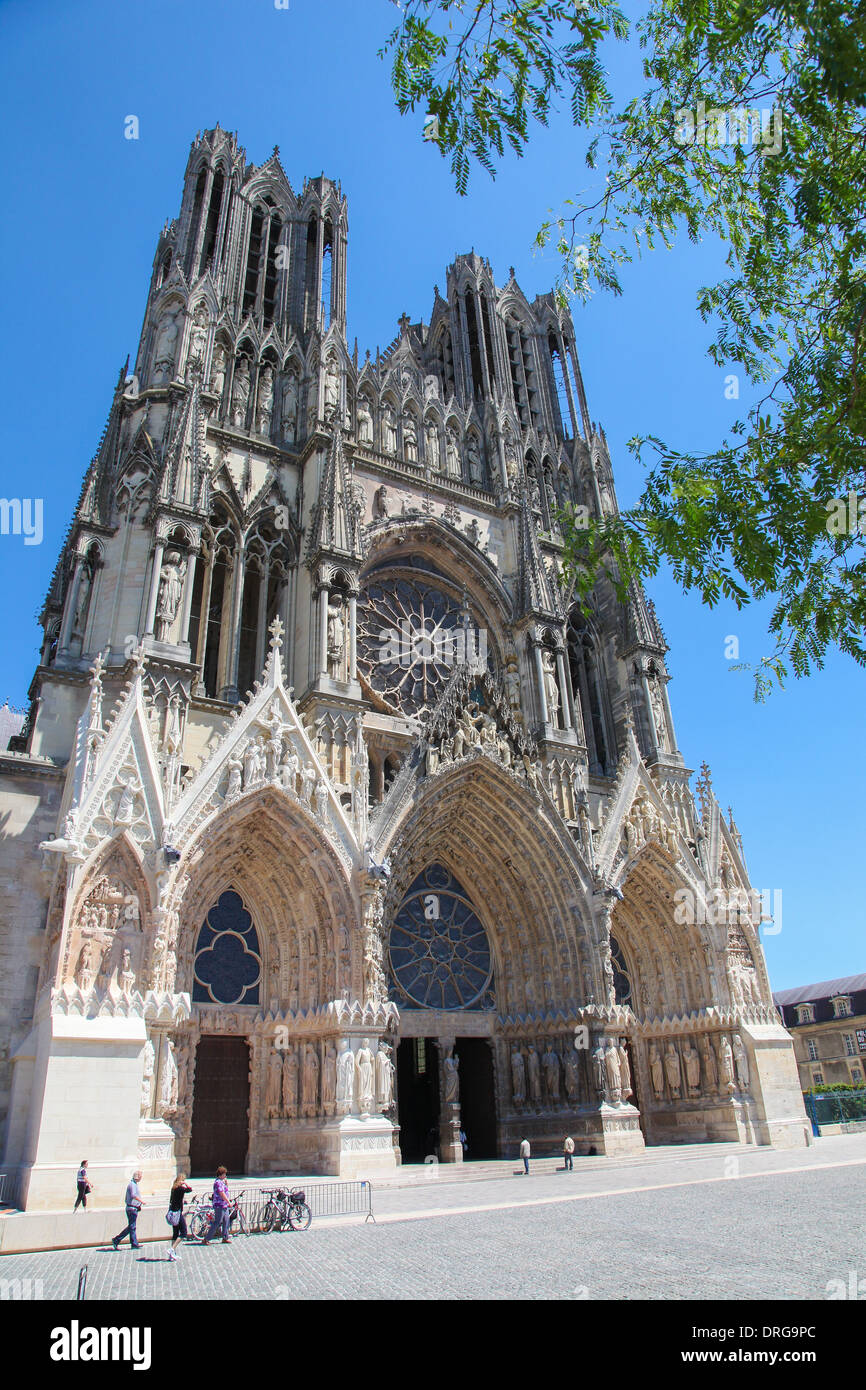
(731, 1223)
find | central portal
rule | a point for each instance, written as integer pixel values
(418, 1098)
(477, 1104)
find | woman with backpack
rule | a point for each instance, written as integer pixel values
(174, 1216)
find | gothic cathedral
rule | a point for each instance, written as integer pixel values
(337, 827)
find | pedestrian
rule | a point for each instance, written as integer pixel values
(84, 1186)
(524, 1154)
(464, 1142)
(220, 1220)
(174, 1216)
(134, 1205)
(568, 1150)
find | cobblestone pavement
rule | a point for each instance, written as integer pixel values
(758, 1224)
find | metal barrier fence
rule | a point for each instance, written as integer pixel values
(4, 1183)
(323, 1199)
(844, 1108)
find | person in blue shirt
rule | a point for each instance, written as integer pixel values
(134, 1205)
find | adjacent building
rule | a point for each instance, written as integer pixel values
(828, 1024)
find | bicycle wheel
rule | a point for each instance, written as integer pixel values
(271, 1217)
(199, 1224)
(300, 1216)
(243, 1226)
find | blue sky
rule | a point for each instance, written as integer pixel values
(84, 207)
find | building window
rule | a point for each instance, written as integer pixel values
(228, 963)
(420, 1056)
(856, 1075)
(817, 1078)
(850, 1048)
(813, 1050)
(805, 1013)
(842, 1005)
(861, 1039)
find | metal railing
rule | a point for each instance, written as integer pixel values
(844, 1108)
(4, 1183)
(323, 1199)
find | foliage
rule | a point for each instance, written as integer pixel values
(766, 513)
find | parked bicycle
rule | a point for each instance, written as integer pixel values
(284, 1208)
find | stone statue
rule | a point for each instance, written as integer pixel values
(451, 1073)
(336, 638)
(170, 590)
(86, 967)
(572, 1075)
(147, 1079)
(332, 389)
(518, 1077)
(308, 778)
(364, 1065)
(380, 503)
(365, 421)
(321, 799)
(711, 1071)
(624, 1070)
(726, 1066)
(611, 1068)
(384, 1077)
(742, 1062)
(266, 400)
(127, 974)
(197, 338)
(168, 1080)
(310, 1082)
(551, 686)
(218, 370)
(672, 1069)
(289, 421)
(551, 1072)
(240, 393)
(693, 1068)
(290, 1083)
(534, 1076)
(166, 348)
(473, 458)
(389, 431)
(345, 1079)
(289, 771)
(452, 452)
(410, 439)
(274, 1086)
(599, 1072)
(656, 1071)
(329, 1080)
(431, 442)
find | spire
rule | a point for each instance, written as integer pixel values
(93, 502)
(534, 589)
(336, 520)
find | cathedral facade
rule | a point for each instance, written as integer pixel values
(337, 826)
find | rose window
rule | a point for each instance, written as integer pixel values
(412, 632)
(438, 949)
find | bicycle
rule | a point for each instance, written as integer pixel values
(285, 1208)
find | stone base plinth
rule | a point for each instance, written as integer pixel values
(609, 1129)
(156, 1155)
(348, 1146)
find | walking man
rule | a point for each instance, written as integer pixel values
(568, 1150)
(220, 1220)
(83, 1186)
(134, 1205)
(524, 1154)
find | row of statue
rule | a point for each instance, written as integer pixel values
(541, 1077)
(685, 1071)
(302, 1083)
(272, 758)
(473, 728)
(161, 1098)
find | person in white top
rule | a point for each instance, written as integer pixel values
(524, 1154)
(568, 1150)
